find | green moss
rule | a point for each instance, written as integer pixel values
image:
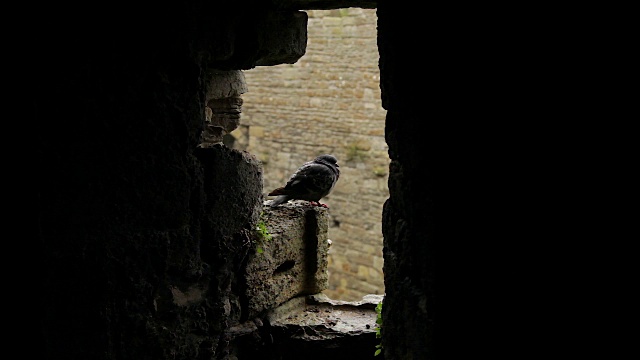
(263, 235)
(379, 328)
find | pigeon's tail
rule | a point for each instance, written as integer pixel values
(279, 200)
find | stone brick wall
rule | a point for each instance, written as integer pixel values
(329, 102)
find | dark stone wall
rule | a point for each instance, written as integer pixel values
(120, 214)
(142, 233)
(408, 219)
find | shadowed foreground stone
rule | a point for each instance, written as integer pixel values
(311, 327)
(321, 328)
(329, 319)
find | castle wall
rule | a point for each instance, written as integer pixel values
(329, 102)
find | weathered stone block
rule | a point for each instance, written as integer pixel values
(291, 260)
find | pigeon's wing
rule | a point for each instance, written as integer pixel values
(310, 182)
(294, 181)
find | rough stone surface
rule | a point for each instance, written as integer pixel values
(224, 105)
(326, 320)
(248, 44)
(224, 84)
(292, 261)
(286, 41)
(233, 185)
(315, 327)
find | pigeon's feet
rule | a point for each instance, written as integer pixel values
(316, 203)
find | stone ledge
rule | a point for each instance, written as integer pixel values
(322, 318)
(292, 262)
(311, 327)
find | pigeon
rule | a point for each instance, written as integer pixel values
(311, 182)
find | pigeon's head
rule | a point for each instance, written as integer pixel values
(326, 158)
